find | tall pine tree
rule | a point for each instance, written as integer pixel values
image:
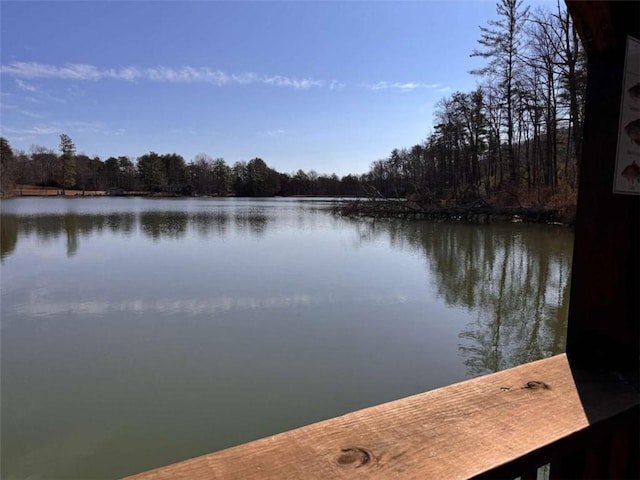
(68, 159)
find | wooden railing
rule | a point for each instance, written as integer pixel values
(503, 425)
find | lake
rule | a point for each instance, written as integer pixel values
(137, 332)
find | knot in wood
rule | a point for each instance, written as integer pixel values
(354, 456)
(536, 385)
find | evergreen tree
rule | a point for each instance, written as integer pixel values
(152, 171)
(7, 165)
(68, 159)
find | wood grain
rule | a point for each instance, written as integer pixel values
(453, 432)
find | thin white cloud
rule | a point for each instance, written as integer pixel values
(27, 113)
(33, 130)
(59, 127)
(298, 84)
(185, 74)
(336, 85)
(76, 91)
(275, 133)
(74, 71)
(25, 86)
(95, 127)
(183, 131)
(41, 97)
(402, 86)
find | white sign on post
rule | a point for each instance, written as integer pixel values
(627, 173)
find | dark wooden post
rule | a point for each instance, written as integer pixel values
(604, 312)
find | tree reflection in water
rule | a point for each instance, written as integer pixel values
(8, 235)
(170, 225)
(515, 276)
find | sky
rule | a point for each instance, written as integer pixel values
(330, 86)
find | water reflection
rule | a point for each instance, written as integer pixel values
(72, 226)
(514, 277)
(159, 225)
(184, 307)
(170, 225)
(8, 235)
(258, 316)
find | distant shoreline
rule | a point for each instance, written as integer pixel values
(56, 192)
(36, 191)
(353, 207)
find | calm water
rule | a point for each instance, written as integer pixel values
(139, 332)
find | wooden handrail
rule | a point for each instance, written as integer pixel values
(458, 431)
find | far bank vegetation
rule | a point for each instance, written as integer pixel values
(512, 142)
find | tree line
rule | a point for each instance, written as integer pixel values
(163, 174)
(518, 135)
(514, 138)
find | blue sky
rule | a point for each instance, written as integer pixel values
(330, 86)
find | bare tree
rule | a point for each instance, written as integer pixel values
(501, 42)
